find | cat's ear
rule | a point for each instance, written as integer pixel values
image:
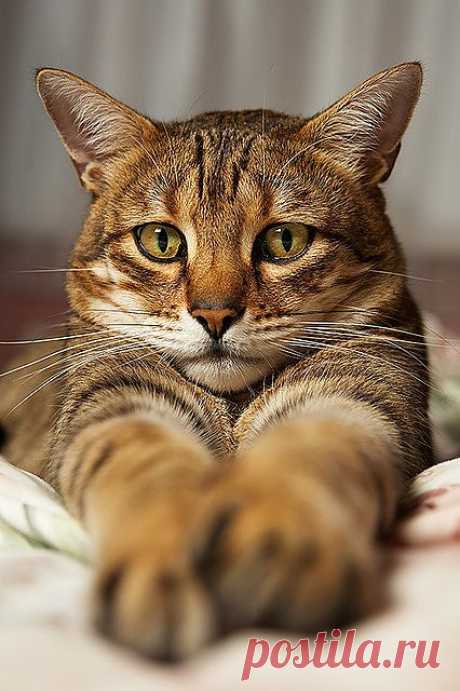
(364, 128)
(94, 127)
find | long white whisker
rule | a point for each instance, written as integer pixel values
(296, 155)
(349, 330)
(447, 341)
(107, 339)
(55, 353)
(402, 275)
(49, 271)
(389, 342)
(55, 377)
(49, 340)
(123, 311)
(381, 327)
(321, 344)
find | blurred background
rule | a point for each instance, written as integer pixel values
(174, 58)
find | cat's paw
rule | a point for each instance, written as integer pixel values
(279, 554)
(147, 595)
(252, 548)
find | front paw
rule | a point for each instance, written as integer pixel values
(252, 548)
(147, 595)
(281, 553)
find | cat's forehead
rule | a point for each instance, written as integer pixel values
(221, 147)
(219, 169)
(243, 122)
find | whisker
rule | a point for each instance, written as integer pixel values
(47, 271)
(348, 330)
(346, 325)
(77, 358)
(49, 340)
(402, 275)
(296, 155)
(372, 312)
(387, 341)
(346, 310)
(448, 342)
(39, 388)
(50, 380)
(265, 358)
(55, 353)
(77, 354)
(140, 358)
(319, 344)
(380, 360)
(154, 162)
(123, 311)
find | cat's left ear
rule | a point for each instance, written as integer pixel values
(94, 127)
(364, 128)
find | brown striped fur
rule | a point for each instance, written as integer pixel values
(247, 486)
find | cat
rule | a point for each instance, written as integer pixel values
(241, 395)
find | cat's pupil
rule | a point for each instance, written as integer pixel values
(162, 238)
(286, 239)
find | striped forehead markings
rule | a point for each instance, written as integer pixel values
(221, 148)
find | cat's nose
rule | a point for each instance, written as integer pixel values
(215, 319)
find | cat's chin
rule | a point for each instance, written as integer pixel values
(226, 375)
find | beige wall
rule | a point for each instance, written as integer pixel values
(173, 58)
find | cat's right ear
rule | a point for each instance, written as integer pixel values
(94, 127)
(363, 129)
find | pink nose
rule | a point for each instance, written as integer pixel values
(216, 320)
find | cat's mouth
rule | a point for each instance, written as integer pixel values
(216, 355)
(222, 369)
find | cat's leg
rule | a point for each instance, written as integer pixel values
(322, 461)
(133, 448)
(285, 536)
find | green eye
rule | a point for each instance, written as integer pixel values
(160, 242)
(285, 241)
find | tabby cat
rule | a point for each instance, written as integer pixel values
(241, 394)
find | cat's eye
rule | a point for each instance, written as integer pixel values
(285, 241)
(160, 242)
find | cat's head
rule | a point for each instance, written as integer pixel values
(221, 239)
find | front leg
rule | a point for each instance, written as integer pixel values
(323, 458)
(134, 448)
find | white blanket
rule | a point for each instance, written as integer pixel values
(47, 644)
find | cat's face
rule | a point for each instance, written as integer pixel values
(205, 253)
(219, 240)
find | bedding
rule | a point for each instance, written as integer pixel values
(47, 643)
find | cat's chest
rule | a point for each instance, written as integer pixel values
(236, 403)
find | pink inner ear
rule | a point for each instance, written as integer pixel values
(62, 112)
(94, 127)
(399, 111)
(365, 126)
